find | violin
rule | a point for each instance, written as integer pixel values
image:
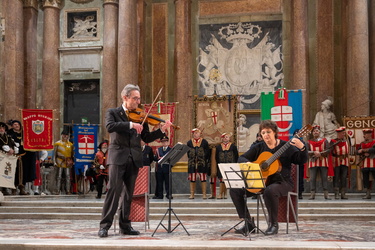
(139, 115)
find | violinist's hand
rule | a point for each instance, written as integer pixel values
(138, 127)
(166, 125)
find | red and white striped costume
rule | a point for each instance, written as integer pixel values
(340, 153)
(319, 146)
(368, 162)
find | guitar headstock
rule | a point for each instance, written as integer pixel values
(304, 131)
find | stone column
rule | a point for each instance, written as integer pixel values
(372, 54)
(300, 51)
(14, 58)
(110, 96)
(141, 20)
(51, 61)
(324, 50)
(127, 44)
(183, 70)
(358, 59)
(30, 12)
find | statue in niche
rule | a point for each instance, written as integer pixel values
(326, 119)
(84, 27)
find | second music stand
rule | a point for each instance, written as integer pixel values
(246, 176)
(171, 158)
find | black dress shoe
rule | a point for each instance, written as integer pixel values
(272, 229)
(129, 231)
(103, 232)
(249, 227)
(157, 197)
(169, 197)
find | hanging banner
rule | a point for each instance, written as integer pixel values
(166, 111)
(37, 129)
(8, 165)
(285, 108)
(85, 145)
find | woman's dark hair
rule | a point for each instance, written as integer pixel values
(269, 124)
(101, 144)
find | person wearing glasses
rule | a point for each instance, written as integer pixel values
(124, 159)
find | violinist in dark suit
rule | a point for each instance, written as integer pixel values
(124, 159)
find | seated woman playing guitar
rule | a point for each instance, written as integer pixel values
(278, 183)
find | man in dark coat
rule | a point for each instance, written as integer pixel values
(124, 159)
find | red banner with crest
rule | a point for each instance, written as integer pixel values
(166, 111)
(37, 129)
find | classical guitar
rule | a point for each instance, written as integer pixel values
(269, 163)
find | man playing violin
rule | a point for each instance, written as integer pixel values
(124, 159)
(277, 184)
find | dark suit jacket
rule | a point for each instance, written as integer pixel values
(125, 141)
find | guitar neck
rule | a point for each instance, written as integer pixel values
(279, 152)
(303, 131)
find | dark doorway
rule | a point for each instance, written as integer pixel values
(81, 101)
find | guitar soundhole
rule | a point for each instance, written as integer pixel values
(264, 166)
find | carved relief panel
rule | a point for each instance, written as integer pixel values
(82, 25)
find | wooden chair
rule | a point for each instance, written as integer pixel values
(290, 202)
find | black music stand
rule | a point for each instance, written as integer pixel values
(171, 158)
(246, 178)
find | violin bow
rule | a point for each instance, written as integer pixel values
(148, 112)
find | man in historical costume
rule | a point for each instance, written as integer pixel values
(124, 159)
(340, 153)
(26, 170)
(63, 160)
(319, 162)
(326, 120)
(101, 168)
(367, 160)
(7, 145)
(162, 171)
(198, 161)
(226, 152)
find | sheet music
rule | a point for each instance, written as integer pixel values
(253, 176)
(231, 173)
(234, 175)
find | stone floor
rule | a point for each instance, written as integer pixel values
(82, 234)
